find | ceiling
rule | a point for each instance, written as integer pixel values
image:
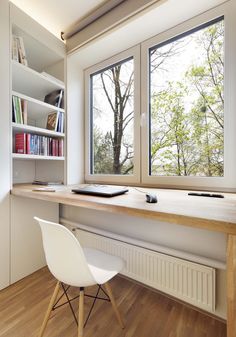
(56, 15)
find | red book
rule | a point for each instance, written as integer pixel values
(20, 143)
(61, 148)
(57, 147)
(53, 147)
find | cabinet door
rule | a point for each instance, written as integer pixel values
(27, 253)
(4, 144)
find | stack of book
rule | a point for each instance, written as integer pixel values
(26, 143)
(19, 110)
(18, 50)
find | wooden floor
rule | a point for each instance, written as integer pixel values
(146, 313)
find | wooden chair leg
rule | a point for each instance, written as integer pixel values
(50, 306)
(114, 305)
(81, 313)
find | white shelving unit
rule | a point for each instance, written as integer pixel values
(43, 75)
(45, 54)
(33, 129)
(35, 157)
(37, 108)
(40, 85)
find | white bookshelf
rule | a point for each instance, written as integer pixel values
(36, 157)
(35, 130)
(44, 74)
(32, 83)
(37, 108)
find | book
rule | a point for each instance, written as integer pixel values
(61, 148)
(55, 98)
(46, 183)
(17, 109)
(30, 146)
(14, 48)
(14, 117)
(24, 109)
(20, 143)
(52, 121)
(44, 189)
(21, 51)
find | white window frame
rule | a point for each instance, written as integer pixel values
(114, 178)
(141, 110)
(228, 181)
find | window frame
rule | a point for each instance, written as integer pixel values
(196, 182)
(140, 53)
(134, 53)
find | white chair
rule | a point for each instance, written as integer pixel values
(74, 266)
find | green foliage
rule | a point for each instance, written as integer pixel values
(190, 140)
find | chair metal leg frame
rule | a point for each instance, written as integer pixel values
(59, 298)
(68, 301)
(80, 321)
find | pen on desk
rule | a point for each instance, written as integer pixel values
(210, 195)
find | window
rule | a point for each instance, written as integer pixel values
(187, 104)
(112, 116)
(171, 126)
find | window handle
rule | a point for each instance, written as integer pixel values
(143, 119)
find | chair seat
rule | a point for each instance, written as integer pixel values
(103, 266)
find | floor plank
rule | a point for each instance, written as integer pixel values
(146, 313)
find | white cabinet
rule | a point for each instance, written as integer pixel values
(27, 253)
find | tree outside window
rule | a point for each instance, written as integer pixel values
(187, 104)
(112, 114)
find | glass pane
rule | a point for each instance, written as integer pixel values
(187, 104)
(112, 114)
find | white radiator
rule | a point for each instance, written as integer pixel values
(188, 281)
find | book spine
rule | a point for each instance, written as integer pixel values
(28, 143)
(21, 50)
(61, 148)
(20, 143)
(24, 107)
(57, 147)
(53, 147)
(15, 55)
(60, 99)
(20, 110)
(14, 118)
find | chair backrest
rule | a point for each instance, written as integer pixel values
(64, 255)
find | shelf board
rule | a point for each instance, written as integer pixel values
(34, 129)
(37, 109)
(35, 157)
(31, 83)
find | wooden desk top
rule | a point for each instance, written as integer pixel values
(174, 206)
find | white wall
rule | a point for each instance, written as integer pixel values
(75, 122)
(4, 144)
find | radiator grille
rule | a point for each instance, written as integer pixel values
(188, 281)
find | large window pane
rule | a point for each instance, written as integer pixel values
(187, 104)
(112, 114)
